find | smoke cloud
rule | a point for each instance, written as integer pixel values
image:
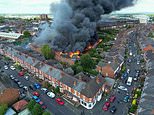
(74, 24)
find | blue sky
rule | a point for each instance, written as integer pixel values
(43, 6)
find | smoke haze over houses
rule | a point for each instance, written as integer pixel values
(75, 21)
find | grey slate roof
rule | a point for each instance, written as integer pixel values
(89, 89)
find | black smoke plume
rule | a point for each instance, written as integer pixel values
(74, 24)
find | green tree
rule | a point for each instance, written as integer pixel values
(46, 113)
(3, 109)
(57, 90)
(47, 52)
(31, 104)
(87, 62)
(26, 34)
(37, 110)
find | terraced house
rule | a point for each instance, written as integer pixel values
(82, 90)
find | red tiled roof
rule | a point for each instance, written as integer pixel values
(148, 48)
(20, 105)
(108, 71)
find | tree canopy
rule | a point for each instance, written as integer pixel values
(31, 104)
(46, 113)
(37, 110)
(87, 62)
(3, 109)
(26, 34)
(47, 52)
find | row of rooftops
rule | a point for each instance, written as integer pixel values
(116, 54)
(89, 89)
(10, 35)
(146, 104)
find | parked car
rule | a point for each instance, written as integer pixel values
(12, 67)
(135, 78)
(31, 87)
(113, 109)
(20, 86)
(122, 88)
(36, 94)
(43, 106)
(106, 106)
(60, 101)
(41, 102)
(16, 80)
(34, 97)
(25, 88)
(126, 98)
(37, 100)
(112, 98)
(12, 78)
(128, 70)
(51, 94)
(21, 73)
(45, 90)
(19, 83)
(6, 67)
(124, 75)
(26, 78)
(37, 85)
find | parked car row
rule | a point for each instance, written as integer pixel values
(107, 105)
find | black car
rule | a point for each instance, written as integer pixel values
(31, 87)
(113, 109)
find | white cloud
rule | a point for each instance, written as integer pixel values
(25, 6)
(141, 6)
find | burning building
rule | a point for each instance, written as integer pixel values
(75, 27)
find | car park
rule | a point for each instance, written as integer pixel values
(112, 98)
(113, 109)
(51, 94)
(60, 101)
(36, 94)
(122, 88)
(106, 106)
(37, 85)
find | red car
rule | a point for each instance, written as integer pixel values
(36, 94)
(43, 106)
(112, 98)
(21, 73)
(41, 103)
(59, 101)
(106, 106)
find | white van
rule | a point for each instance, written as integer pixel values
(129, 81)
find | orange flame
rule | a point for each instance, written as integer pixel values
(71, 54)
